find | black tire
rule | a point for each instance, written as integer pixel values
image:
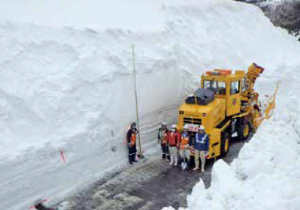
(225, 144)
(244, 129)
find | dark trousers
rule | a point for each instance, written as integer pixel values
(131, 153)
(165, 151)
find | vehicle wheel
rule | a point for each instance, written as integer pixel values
(244, 130)
(225, 144)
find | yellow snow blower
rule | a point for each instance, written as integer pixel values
(226, 104)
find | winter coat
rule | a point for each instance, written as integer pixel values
(201, 141)
(131, 136)
(185, 140)
(174, 139)
(163, 136)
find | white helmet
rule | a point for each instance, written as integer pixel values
(201, 128)
(174, 126)
(185, 126)
(164, 123)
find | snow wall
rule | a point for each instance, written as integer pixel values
(70, 88)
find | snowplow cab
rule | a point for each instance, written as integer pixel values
(218, 98)
(226, 86)
(225, 104)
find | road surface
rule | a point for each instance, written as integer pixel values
(148, 185)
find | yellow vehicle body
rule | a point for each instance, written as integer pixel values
(234, 108)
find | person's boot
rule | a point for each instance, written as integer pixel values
(176, 162)
(171, 162)
(196, 168)
(130, 161)
(163, 156)
(202, 170)
(168, 157)
(134, 158)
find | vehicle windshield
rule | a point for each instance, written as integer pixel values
(216, 86)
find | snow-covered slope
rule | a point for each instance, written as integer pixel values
(283, 13)
(70, 88)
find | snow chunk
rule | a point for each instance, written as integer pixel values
(223, 176)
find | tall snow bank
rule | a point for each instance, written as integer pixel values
(70, 88)
(81, 14)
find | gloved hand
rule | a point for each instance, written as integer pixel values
(130, 144)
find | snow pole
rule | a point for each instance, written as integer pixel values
(140, 155)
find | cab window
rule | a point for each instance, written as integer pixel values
(235, 88)
(216, 86)
(244, 85)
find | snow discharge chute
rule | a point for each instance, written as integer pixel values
(271, 104)
(268, 105)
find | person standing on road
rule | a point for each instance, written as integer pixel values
(201, 147)
(185, 142)
(173, 140)
(163, 139)
(131, 142)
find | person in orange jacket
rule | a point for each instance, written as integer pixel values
(162, 138)
(186, 143)
(131, 142)
(174, 140)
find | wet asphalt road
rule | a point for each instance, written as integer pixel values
(149, 185)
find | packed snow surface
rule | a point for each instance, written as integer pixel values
(66, 82)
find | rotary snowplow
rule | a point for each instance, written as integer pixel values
(226, 104)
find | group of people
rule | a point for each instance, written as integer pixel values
(175, 144)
